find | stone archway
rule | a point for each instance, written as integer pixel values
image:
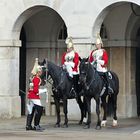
(115, 17)
(43, 33)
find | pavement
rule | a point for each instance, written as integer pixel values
(14, 129)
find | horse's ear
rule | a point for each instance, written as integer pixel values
(44, 62)
(87, 59)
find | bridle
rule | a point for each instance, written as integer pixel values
(55, 88)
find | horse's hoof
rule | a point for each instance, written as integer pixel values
(103, 123)
(57, 125)
(115, 123)
(98, 127)
(86, 126)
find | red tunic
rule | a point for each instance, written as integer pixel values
(34, 93)
(101, 58)
(104, 57)
(75, 60)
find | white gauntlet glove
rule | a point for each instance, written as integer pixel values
(41, 91)
(69, 64)
(101, 62)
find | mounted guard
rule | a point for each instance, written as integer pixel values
(70, 62)
(99, 59)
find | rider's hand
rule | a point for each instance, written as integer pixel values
(44, 90)
(64, 67)
(101, 62)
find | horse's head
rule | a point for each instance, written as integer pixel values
(84, 65)
(44, 71)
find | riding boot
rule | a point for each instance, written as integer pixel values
(110, 90)
(29, 122)
(38, 114)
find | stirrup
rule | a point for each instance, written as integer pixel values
(73, 93)
(110, 90)
(73, 90)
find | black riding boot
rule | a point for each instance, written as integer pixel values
(110, 90)
(29, 122)
(38, 114)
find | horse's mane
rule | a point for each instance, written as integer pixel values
(54, 65)
(54, 69)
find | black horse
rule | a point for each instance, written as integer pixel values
(94, 87)
(62, 90)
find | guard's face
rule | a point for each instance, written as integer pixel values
(40, 72)
(69, 49)
(98, 46)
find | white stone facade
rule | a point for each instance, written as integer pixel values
(42, 21)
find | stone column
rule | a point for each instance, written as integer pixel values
(130, 83)
(10, 104)
(117, 64)
(83, 46)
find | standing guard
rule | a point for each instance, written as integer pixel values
(34, 105)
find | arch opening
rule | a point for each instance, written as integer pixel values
(42, 33)
(121, 26)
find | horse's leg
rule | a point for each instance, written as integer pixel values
(85, 110)
(82, 109)
(57, 105)
(115, 123)
(88, 103)
(104, 105)
(98, 125)
(65, 112)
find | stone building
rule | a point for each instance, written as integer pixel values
(38, 28)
